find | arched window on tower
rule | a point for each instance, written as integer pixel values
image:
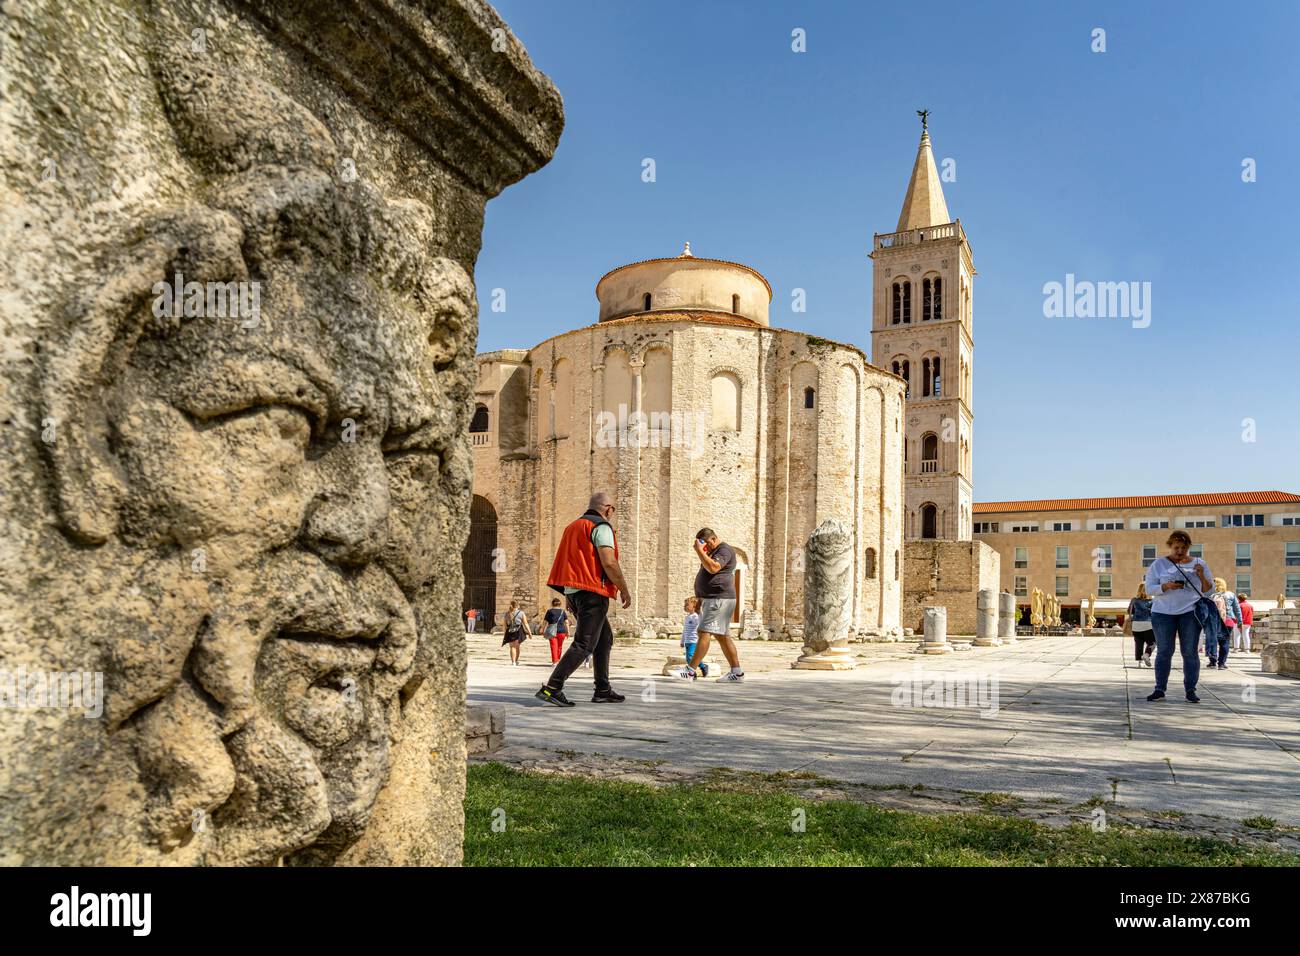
(907, 303)
(735, 303)
(925, 376)
(927, 300)
(809, 398)
(479, 423)
(937, 388)
(646, 302)
(937, 305)
(896, 309)
(929, 521)
(903, 369)
(929, 453)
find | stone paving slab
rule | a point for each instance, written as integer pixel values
(1071, 722)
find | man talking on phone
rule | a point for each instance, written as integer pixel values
(586, 571)
(715, 586)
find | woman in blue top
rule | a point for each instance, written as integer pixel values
(1176, 582)
(1138, 623)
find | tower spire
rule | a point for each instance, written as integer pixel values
(923, 206)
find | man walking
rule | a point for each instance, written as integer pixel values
(715, 586)
(587, 572)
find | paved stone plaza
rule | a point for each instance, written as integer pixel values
(1071, 723)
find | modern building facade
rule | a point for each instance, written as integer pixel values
(1077, 547)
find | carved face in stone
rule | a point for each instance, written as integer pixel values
(263, 493)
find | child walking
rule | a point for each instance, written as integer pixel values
(690, 630)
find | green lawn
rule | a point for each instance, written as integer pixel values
(562, 821)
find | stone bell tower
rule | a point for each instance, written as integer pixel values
(921, 331)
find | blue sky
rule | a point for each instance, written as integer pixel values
(1117, 166)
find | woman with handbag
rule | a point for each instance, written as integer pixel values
(1138, 623)
(557, 629)
(1225, 602)
(1178, 584)
(516, 622)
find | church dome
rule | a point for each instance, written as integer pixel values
(684, 283)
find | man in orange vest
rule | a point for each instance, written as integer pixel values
(587, 573)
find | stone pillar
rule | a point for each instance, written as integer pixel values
(986, 618)
(827, 598)
(936, 632)
(271, 209)
(1006, 618)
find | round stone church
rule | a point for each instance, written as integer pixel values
(684, 402)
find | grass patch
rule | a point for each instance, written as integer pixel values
(576, 821)
(1259, 823)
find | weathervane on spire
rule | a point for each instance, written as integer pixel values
(925, 120)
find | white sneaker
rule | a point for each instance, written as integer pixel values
(732, 675)
(685, 674)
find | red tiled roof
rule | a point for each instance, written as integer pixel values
(1139, 501)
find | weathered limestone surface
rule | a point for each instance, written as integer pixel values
(1281, 657)
(1006, 617)
(247, 520)
(986, 618)
(827, 598)
(936, 631)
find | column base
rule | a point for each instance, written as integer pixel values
(834, 658)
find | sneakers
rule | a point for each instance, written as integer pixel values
(1146, 659)
(1156, 695)
(610, 696)
(1192, 698)
(704, 669)
(555, 697)
(684, 674)
(732, 676)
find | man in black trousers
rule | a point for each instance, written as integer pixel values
(586, 571)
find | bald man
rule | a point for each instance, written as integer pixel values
(586, 571)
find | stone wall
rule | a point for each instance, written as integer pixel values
(1279, 629)
(947, 573)
(485, 728)
(239, 327)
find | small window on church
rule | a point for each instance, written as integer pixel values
(807, 398)
(907, 303)
(735, 303)
(896, 311)
(869, 564)
(937, 388)
(937, 304)
(895, 564)
(646, 300)
(925, 377)
(926, 300)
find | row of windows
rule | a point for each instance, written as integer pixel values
(1105, 585)
(1227, 521)
(900, 309)
(1102, 555)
